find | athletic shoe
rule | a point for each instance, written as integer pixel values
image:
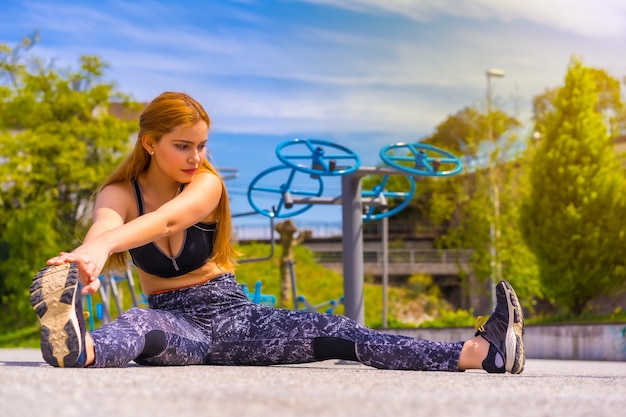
(504, 331)
(55, 298)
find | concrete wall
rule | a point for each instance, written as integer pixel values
(602, 342)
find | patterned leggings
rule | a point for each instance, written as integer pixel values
(215, 323)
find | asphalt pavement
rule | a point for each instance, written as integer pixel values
(29, 387)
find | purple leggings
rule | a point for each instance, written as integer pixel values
(215, 323)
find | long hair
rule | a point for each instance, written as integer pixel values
(161, 116)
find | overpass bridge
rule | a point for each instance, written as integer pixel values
(445, 267)
(402, 262)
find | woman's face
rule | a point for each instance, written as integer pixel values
(180, 153)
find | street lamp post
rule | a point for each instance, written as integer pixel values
(494, 227)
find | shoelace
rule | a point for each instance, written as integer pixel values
(480, 323)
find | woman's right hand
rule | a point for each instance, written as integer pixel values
(90, 260)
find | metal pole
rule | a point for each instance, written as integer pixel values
(385, 269)
(294, 290)
(494, 227)
(352, 227)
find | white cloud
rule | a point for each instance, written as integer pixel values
(259, 76)
(589, 18)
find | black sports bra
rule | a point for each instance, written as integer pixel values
(196, 250)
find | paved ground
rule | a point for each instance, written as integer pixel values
(29, 387)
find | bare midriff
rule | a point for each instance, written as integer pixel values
(151, 284)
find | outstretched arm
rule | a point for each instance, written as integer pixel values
(110, 233)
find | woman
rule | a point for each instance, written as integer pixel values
(167, 206)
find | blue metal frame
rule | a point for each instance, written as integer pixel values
(322, 164)
(284, 190)
(422, 159)
(379, 190)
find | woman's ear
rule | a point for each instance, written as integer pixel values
(148, 144)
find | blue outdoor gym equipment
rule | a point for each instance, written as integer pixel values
(404, 159)
(263, 184)
(421, 159)
(378, 198)
(257, 296)
(322, 163)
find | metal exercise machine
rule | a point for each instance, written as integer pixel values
(297, 185)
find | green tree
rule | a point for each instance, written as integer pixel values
(573, 216)
(463, 206)
(609, 103)
(58, 141)
(460, 209)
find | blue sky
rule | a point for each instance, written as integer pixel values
(361, 73)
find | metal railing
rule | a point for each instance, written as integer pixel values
(402, 256)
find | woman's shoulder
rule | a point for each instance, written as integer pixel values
(118, 194)
(118, 189)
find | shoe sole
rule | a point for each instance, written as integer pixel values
(53, 297)
(515, 353)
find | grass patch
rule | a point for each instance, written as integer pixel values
(587, 317)
(23, 338)
(407, 306)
